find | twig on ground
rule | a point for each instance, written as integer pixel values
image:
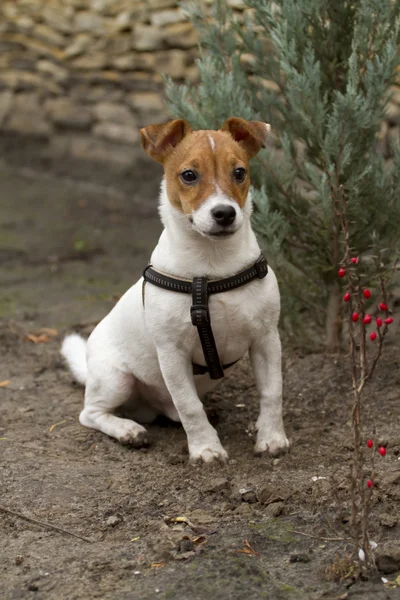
(43, 524)
(318, 537)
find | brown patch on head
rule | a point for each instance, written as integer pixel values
(214, 157)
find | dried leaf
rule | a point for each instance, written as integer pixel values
(38, 339)
(394, 583)
(180, 520)
(52, 428)
(5, 383)
(200, 539)
(49, 331)
(183, 520)
(248, 549)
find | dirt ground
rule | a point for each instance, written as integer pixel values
(152, 525)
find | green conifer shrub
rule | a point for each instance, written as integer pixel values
(321, 73)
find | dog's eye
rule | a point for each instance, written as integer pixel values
(239, 174)
(188, 176)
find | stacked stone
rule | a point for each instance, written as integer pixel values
(88, 73)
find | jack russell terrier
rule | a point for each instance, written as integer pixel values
(205, 271)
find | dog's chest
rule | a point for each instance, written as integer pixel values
(236, 318)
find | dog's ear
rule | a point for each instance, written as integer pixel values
(250, 135)
(159, 140)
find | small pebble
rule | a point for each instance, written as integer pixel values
(250, 496)
(113, 521)
(185, 545)
(299, 558)
(219, 484)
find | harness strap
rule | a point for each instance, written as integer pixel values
(201, 288)
(200, 316)
(184, 286)
(203, 369)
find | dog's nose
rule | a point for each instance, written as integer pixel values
(224, 214)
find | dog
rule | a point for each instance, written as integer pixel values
(143, 351)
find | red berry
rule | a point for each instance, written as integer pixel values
(341, 272)
(388, 321)
(354, 260)
(367, 294)
(354, 317)
(370, 483)
(370, 443)
(383, 306)
(372, 336)
(346, 297)
(367, 319)
(382, 451)
(379, 322)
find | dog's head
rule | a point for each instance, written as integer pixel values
(207, 172)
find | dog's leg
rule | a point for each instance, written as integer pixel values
(266, 360)
(106, 390)
(202, 438)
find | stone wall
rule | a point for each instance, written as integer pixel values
(82, 76)
(85, 75)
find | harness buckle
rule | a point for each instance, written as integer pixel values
(261, 267)
(200, 315)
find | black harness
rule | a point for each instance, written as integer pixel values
(200, 289)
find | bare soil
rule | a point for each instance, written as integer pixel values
(153, 525)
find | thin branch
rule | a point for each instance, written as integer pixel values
(43, 524)
(375, 360)
(318, 537)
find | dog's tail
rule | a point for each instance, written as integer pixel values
(73, 349)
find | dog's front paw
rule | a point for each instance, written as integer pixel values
(274, 443)
(137, 437)
(208, 453)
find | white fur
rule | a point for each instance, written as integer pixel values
(73, 350)
(144, 354)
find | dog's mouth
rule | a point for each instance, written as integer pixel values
(221, 234)
(214, 234)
